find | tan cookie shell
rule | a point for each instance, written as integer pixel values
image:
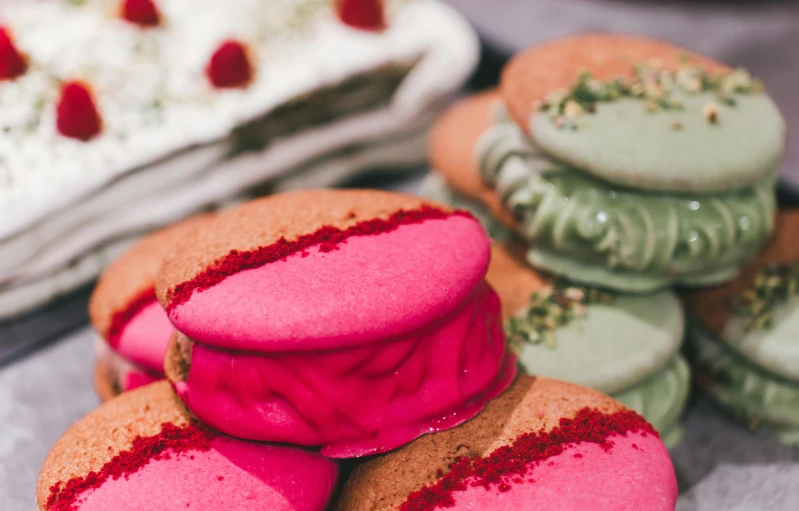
(175, 365)
(530, 405)
(512, 278)
(451, 148)
(103, 381)
(135, 272)
(99, 436)
(557, 64)
(711, 306)
(264, 221)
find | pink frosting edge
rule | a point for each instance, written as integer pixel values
(345, 297)
(636, 473)
(231, 476)
(144, 339)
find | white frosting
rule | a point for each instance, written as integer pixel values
(86, 250)
(129, 68)
(60, 198)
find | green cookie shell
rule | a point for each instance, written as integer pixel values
(661, 398)
(623, 143)
(612, 347)
(775, 349)
(750, 393)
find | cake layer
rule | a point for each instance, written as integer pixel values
(103, 232)
(146, 120)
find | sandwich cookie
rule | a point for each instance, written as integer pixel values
(742, 337)
(144, 450)
(622, 345)
(543, 444)
(672, 204)
(355, 320)
(133, 328)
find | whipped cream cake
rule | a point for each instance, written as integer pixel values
(120, 116)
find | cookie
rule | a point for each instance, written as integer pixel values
(645, 114)
(589, 230)
(340, 312)
(543, 444)
(144, 450)
(114, 374)
(125, 312)
(624, 346)
(741, 337)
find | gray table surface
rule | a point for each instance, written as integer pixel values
(721, 466)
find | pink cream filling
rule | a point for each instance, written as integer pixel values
(362, 399)
(233, 475)
(144, 339)
(636, 473)
(125, 374)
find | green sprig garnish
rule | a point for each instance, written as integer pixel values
(550, 308)
(772, 285)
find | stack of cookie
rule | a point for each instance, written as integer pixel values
(615, 167)
(320, 325)
(742, 337)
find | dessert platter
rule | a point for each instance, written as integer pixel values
(590, 301)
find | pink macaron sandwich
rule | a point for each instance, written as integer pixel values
(353, 320)
(133, 328)
(144, 451)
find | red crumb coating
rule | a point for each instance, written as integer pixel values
(230, 66)
(12, 62)
(121, 317)
(141, 12)
(327, 237)
(171, 440)
(76, 114)
(510, 464)
(362, 14)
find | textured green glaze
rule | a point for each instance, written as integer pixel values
(672, 150)
(661, 398)
(775, 349)
(613, 346)
(750, 393)
(598, 233)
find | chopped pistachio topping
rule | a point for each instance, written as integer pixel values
(659, 88)
(711, 112)
(550, 308)
(771, 286)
